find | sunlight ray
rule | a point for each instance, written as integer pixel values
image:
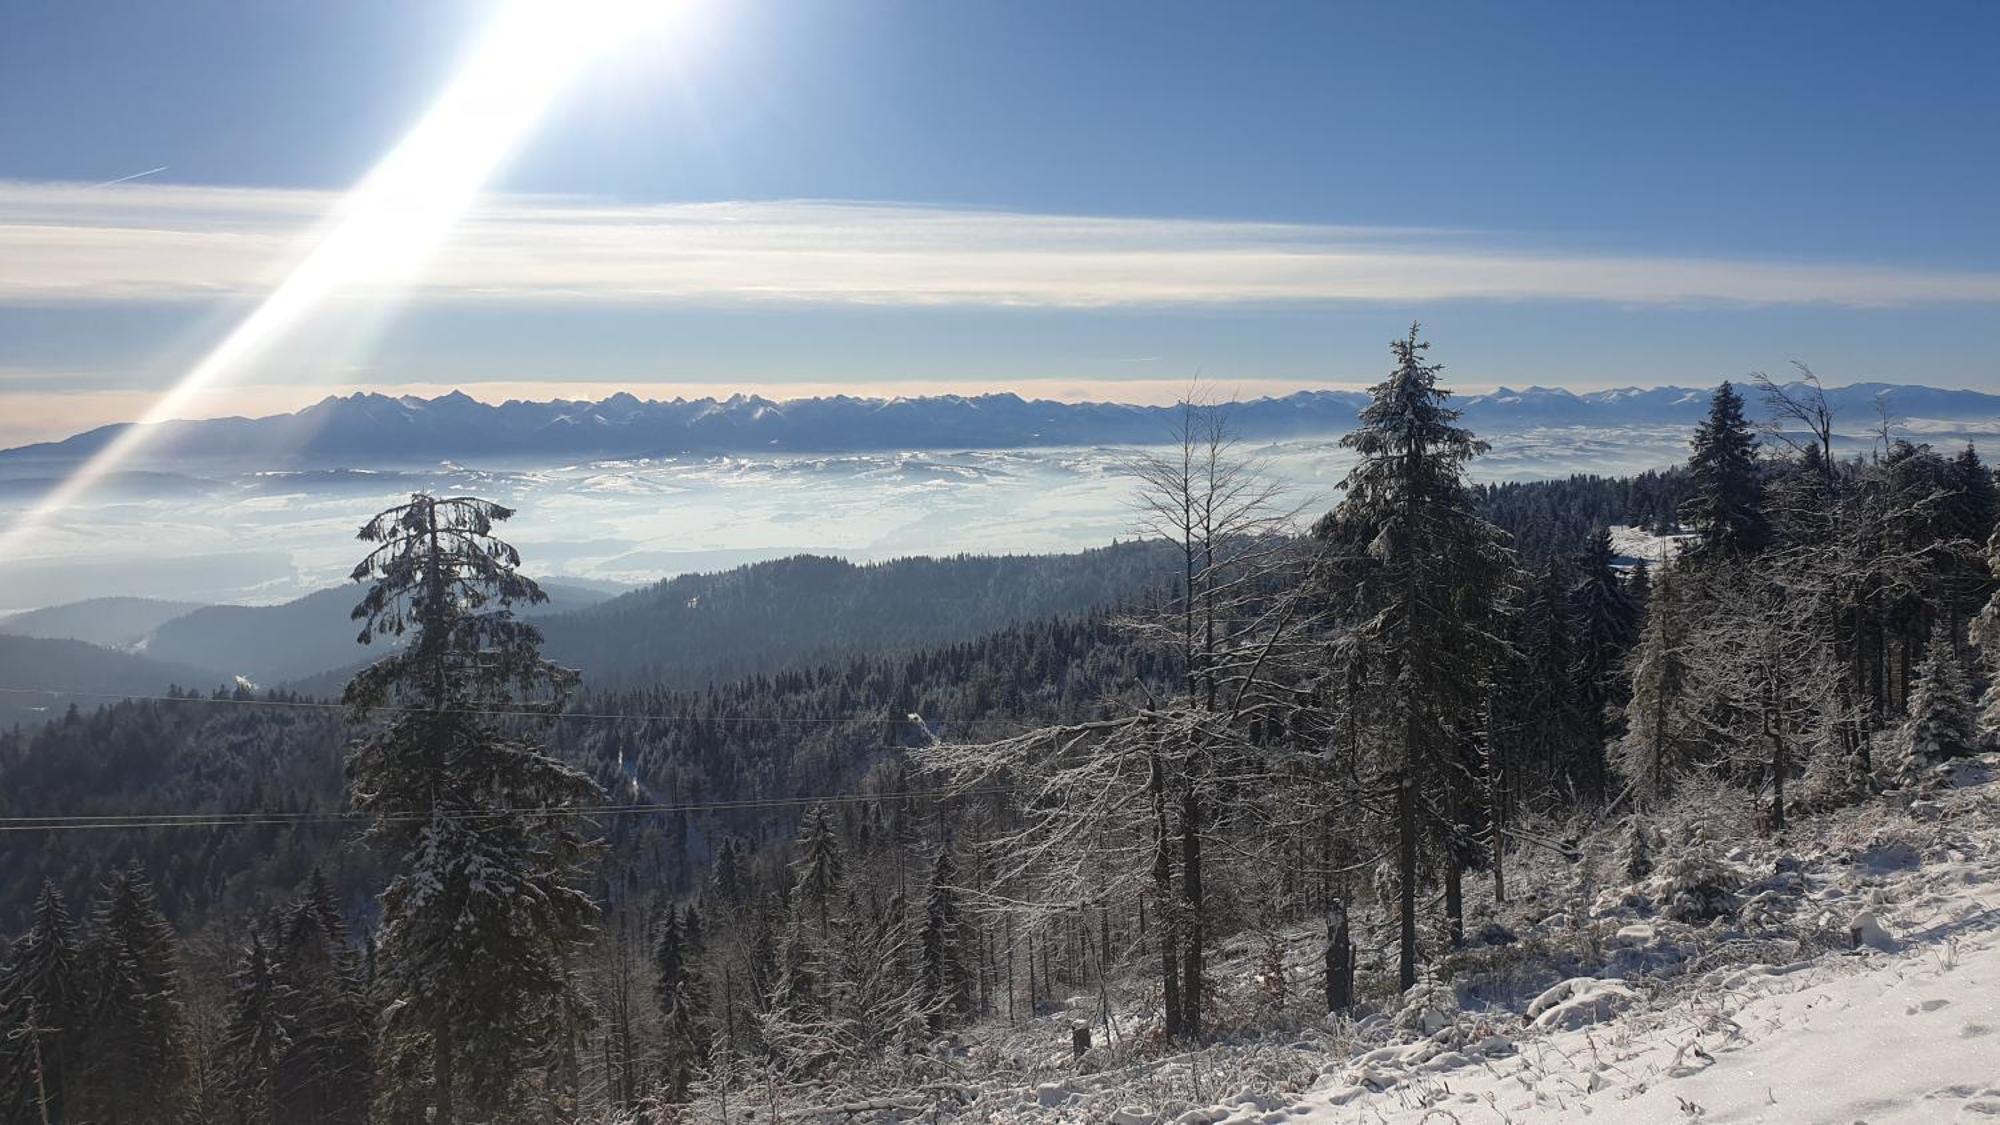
(387, 225)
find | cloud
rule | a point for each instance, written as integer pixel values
(148, 241)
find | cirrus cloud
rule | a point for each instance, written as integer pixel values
(166, 242)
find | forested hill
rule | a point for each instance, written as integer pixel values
(270, 644)
(1549, 519)
(42, 677)
(701, 628)
(111, 622)
(809, 732)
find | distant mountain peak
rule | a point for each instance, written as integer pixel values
(368, 428)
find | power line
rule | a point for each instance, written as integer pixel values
(517, 712)
(281, 817)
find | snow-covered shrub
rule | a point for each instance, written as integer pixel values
(1696, 887)
(1635, 853)
(1580, 1002)
(1835, 778)
(1430, 1005)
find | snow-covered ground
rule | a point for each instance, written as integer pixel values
(1633, 544)
(1852, 975)
(1859, 981)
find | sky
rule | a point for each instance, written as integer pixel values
(1104, 200)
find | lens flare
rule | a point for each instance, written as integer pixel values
(389, 223)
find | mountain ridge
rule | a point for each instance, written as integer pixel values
(366, 427)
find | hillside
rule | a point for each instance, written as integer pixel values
(694, 629)
(1848, 971)
(297, 639)
(111, 622)
(43, 676)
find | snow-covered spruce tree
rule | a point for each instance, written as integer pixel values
(44, 1017)
(1985, 632)
(1940, 723)
(1606, 621)
(1548, 707)
(947, 982)
(1727, 509)
(681, 994)
(327, 1068)
(1417, 609)
(138, 1056)
(483, 915)
(1660, 737)
(257, 1035)
(1695, 886)
(818, 862)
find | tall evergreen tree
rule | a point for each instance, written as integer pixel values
(818, 863)
(44, 1017)
(483, 917)
(138, 1068)
(257, 1037)
(1420, 605)
(1660, 729)
(1551, 708)
(1727, 509)
(947, 983)
(1974, 506)
(325, 1072)
(1606, 620)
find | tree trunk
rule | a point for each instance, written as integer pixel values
(1191, 977)
(1454, 898)
(1163, 904)
(1339, 960)
(442, 1071)
(1406, 872)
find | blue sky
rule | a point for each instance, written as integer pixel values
(1102, 199)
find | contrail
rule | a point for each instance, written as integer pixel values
(133, 176)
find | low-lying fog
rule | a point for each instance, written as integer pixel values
(267, 537)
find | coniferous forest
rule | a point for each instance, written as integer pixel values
(1293, 776)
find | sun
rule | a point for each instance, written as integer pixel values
(385, 228)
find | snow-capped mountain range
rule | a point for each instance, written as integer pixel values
(368, 428)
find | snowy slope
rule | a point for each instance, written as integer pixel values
(1855, 978)
(1904, 1029)
(1852, 975)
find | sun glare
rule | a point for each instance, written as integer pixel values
(387, 225)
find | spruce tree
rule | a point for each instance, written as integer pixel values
(947, 984)
(257, 1036)
(138, 1052)
(1940, 723)
(1553, 721)
(1606, 623)
(669, 961)
(1727, 509)
(1661, 730)
(325, 1072)
(1973, 503)
(44, 1017)
(484, 915)
(1419, 602)
(818, 862)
